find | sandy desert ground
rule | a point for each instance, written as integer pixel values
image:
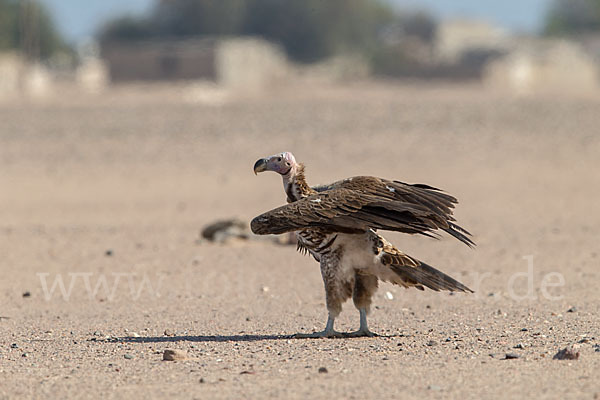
(108, 196)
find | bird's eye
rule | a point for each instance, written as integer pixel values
(278, 159)
(287, 163)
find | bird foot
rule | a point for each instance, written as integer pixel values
(361, 333)
(322, 334)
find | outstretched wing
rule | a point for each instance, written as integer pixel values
(361, 203)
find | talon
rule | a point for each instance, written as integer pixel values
(363, 330)
(362, 333)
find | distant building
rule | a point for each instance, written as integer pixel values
(455, 38)
(235, 62)
(18, 77)
(460, 50)
(537, 66)
(91, 74)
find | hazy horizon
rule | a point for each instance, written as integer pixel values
(77, 20)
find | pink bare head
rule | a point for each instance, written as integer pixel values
(282, 163)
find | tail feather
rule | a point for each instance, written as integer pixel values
(425, 275)
(414, 273)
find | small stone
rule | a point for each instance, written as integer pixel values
(568, 353)
(14, 346)
(435, 388)
(323, 370)
(389, 296)
(572, 309)
(431, 343)
(265, 289)
(27, 294)
(128, 356)
(24, 355)
(519, 346)
(511, 356)
(524, 329)
(174, 355)
(221, 230)
(108, 253)
(168, 332)
(201, 380)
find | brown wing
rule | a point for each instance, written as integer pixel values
(361, 203)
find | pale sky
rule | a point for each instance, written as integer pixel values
(78, 19)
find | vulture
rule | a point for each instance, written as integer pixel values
(338, 225)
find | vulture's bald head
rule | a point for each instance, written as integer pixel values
(282, 163)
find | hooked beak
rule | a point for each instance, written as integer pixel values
(260, 166)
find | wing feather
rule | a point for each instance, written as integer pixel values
(361, 203)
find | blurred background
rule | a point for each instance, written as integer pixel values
(49, 47)
(130, 114)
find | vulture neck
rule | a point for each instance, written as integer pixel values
(294, 183)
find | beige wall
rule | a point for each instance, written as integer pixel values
(454, 37)
(249, 64)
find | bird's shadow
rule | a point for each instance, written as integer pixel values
(201, 338)
(218, 338)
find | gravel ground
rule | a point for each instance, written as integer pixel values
(108, 195)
